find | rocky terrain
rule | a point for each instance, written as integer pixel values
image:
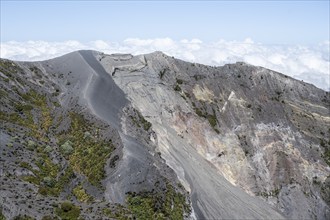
(96, 136)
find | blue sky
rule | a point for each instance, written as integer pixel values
(291, 37)
(268, 22)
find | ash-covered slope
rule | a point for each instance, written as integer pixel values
(101, 130)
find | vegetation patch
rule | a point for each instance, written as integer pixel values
(2, 217)
(212, 119)
(162, 73)
(67, 148)
(273, 193)
(179, 81)
(199, 77)
(48, 176)
(326, 145)
(119, 212)
(113, 161)
(23, 217)
(177, 88)
(150, 205)
(140, 121)
(9, 68)
(32, 101)
(36, 71)
(67, 210)
(49, 217)
(25, 165)
(80, 193)
(87, 155)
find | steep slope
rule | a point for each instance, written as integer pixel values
(122, 136)
(264, 132)
(62, 147)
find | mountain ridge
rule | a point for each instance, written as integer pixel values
(160, 52)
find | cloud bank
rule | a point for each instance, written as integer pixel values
(308, 63)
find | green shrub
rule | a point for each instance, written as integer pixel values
(31, 145)
(67, 148)
(49, 181)
(212, 120)
(326, 155)
(199, 112)
(87, 134)
(68, 211)
(146, 125)
(25, 165)
(48, 149)
(23, 108)
(140, 120)
(80, 193)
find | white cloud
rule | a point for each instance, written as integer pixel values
(101, 45)
(308, 63)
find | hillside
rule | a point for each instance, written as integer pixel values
(150, 136)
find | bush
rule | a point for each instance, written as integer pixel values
(68, 210)
(25, 165)
(80, 193)
(49, 181)
(31, 145)
(146, 125)
(212, 120)
(48, 149)
(113, 161)
(23, 108)
(87, 134)
(67, 148)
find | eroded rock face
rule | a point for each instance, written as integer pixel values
(264, 132)
(244, 141)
